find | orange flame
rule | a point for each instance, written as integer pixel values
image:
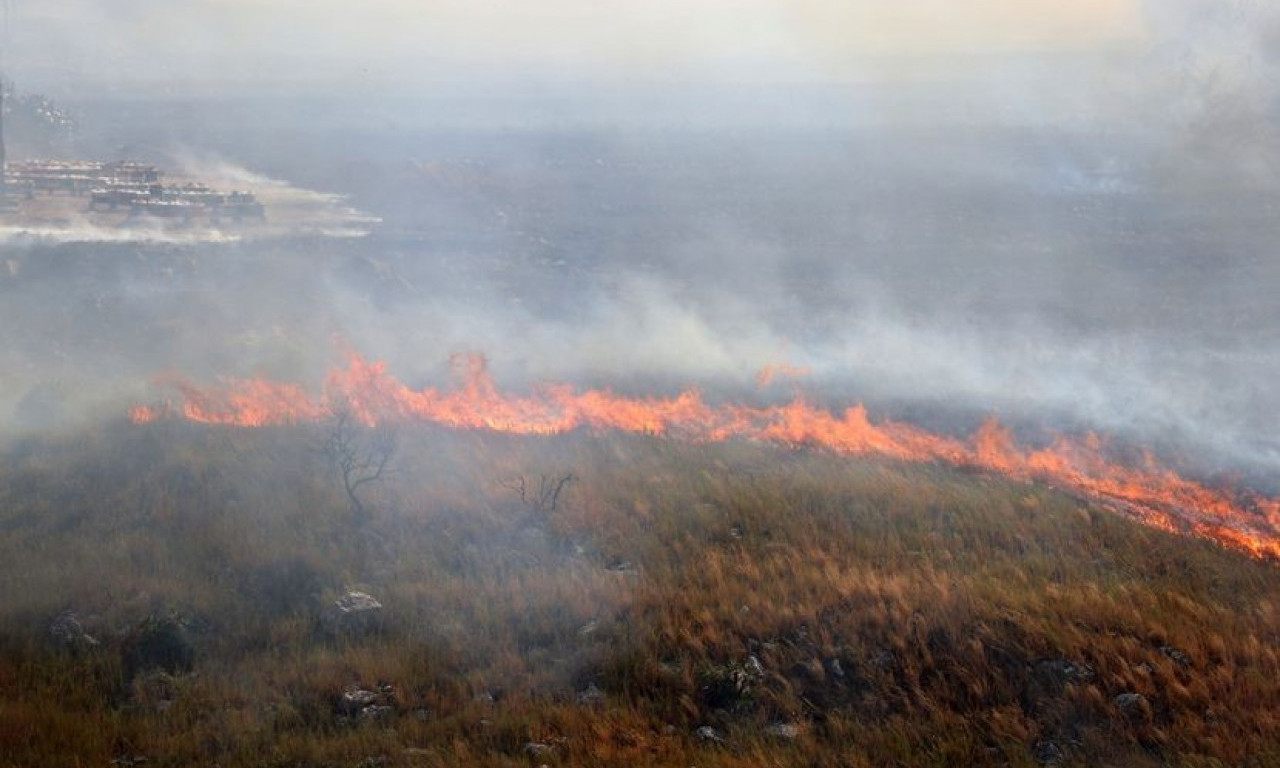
(770, 373)
(1152, 493)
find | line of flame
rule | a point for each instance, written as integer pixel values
(1152, 493)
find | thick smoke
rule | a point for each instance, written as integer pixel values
(1081, 238)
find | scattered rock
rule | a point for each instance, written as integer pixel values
(591, 697)
(726, 686)
(376, 712)
(355, 612)
(708, 735)
(1048, 753)
(65, 629)
(355, 603)
(1050, 679)
(1176, 655)
(1133, 705)
(618, 565)
(783, 731)
(356, 699)
(834, 668)
(537, 749)
(883, 660)
(588, 628)
(1064, 671)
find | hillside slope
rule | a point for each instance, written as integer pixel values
(170, 594)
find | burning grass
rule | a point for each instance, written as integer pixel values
(1151, 492)
(808, 608)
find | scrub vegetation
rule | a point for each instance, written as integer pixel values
(171, 590)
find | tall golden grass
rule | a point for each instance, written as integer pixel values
(895, 615)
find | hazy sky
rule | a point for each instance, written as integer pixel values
(426, 40)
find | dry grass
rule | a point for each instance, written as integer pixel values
(896, 615)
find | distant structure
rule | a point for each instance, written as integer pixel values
(135, 187)
(79, 176)
(120, 186)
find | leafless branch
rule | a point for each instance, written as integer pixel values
(361, 456)
(546, 497)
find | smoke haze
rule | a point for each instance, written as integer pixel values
(1065, 217)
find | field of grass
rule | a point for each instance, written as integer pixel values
(677, 605)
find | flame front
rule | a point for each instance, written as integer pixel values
(1151, 492)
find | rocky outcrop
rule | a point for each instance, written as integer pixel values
(66, 631)
(1133, 706)
(366, 705)
(783, 731)
(353, 613)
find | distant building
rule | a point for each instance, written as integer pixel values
(80, 176)
(135, 187)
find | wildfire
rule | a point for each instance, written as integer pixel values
(1151, 492)
(771, 373)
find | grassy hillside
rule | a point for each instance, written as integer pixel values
(676, 605)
